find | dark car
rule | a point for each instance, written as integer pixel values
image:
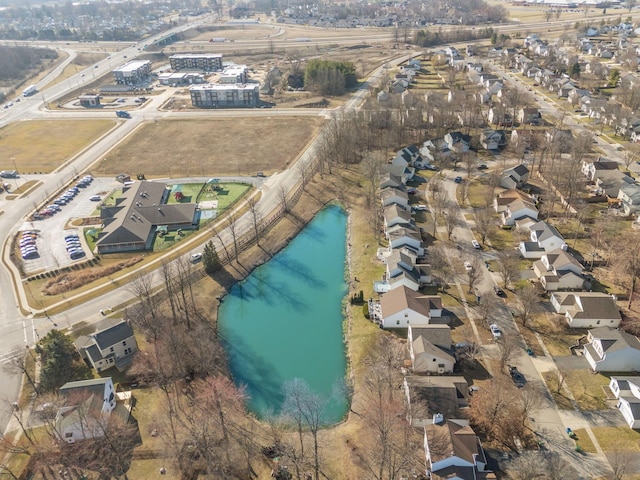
(458, 180)
(499, 292)
(517, 377)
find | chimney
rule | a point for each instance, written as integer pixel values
(438, 419)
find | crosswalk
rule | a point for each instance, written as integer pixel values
(6, 358)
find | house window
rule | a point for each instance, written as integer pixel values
(68, 435)
(124, 344)
(598, 322)
(397, 322)
(441, 365)
(111, 360)
(406, 315)
(111, 349)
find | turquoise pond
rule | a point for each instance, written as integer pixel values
(285, 320)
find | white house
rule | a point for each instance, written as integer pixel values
(587, 309)
(629, 196)
(627, 391)
(405, 237)
(558, 270)
(402, 307)
(402, 270)
(430, 349)
(493, 139)
(406, 173)
(514, 177)
(543, 238)
(612, 350)
(112, 345)
(517, 210)
(86, 410)
(453, 450)
(590, 169)
(457, 142)
(394, 196)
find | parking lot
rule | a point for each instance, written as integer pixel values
(51, 245)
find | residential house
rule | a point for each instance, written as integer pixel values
(394, 196)
(629, 196)
(395, 214)
(85, 409)
(457, 142)
(529, 116)
(111, 345)
(612, 350)
(525, 139)
(517, 210)
(402, 307)
(493, 139)
(627, 391)
(453, 451)
(587, 309)
(406, 173)
(406, 237)
(558, 270)
(427, 394)
(383, 97)
(390, 180)
(590, 169)
(543, 238)
(576, 95)
(503, 199)
(498, 116)
(514, 177)
(430, 349)
(131, 224)
(403, 269)
(609, 183)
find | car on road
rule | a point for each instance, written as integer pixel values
(475, 244)
(458, 179)
(518, 378)
(482, 166)
(499, 292)
(495, 331)
(419, 208)
(94, 198)
(195, 258)
(467, 266)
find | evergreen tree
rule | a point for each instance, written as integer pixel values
(60, 363)
(210, 258)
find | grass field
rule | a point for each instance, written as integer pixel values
(49, 152)
(80, 62)
(224, 147)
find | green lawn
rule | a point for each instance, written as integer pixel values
(189, 190)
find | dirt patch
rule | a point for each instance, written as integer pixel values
(55, 144)
(223, 147)
(72, 280)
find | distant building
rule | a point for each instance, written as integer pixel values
(234, 74)
(180, 78)
(201, 62)
(89, 100)
(214, 96)
(133, 72)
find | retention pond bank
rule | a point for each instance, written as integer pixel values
(284, 322)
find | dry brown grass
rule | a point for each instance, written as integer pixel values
(72, 280)
(224, 147)
(57, 142)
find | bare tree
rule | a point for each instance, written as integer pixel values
(627, 259)
(218, 236)
(451, 218)
(284, 198)
(508, 266)
(528, 304)
(525, 466)
(438, 196)
(256, 217)
(232, 226)
(484, 223)
(486, 309)
(621, 462)
(17, 365)
(507, 348)
(560, 377)
(474, 275)
(143, 289)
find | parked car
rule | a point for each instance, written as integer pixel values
(499, 292)
(495, 331)
(475, 244)
(433, 168)
(517, 377)
(467, 266)
(458, 180)
(95, 198)
(195, 258)
(482, 166)
(420, 208)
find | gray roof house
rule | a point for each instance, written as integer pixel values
(402, 270)
(612, 350)
(111, 345)
(587, 309)
(394, 196)
(429, 394)
(629, 196)
(558, 270)
(131, 224)
(395, 214)
(430, 349)
(627, 391)
(543, 238)
(514, 177)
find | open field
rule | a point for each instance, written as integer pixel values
(222, 147)
(48, 153)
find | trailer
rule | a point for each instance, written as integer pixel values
(30, 90)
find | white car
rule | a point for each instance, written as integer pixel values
(475, 244)
(467, 266)
(495, 330)
(420, 208)
(195, 258)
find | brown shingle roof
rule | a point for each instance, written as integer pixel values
(400, 298)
